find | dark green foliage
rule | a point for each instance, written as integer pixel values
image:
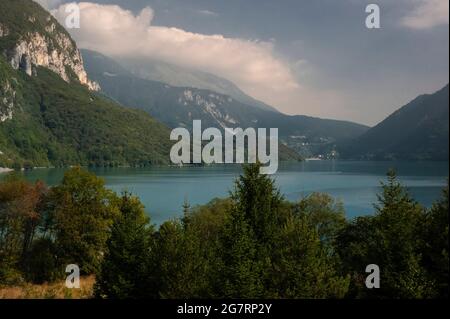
(42, 263)
(435, 251)
(325, 214)
(241, 267)
(124, 271)
(392, 240)
(270, 249)
(230, 248)
(258, 201)
(55, 123)
(303, 267)
(177, 263)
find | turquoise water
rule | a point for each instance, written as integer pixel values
(164, 189)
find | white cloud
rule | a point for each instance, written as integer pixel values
(427, 14)
(208, 13)
(49, 4)
(251, 64)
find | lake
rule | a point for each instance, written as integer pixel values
(164, 189)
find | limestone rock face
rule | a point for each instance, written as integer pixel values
(7, 100)
(57, 54)
(40, 42)
(4, 31)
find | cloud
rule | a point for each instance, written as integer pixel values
(251, 64)
(427, 14)
(49, 4)
(208, 13)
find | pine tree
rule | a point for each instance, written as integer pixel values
(392, 240)
(124, 270)
(436, 245)
(303, 265)
(241, 269)
(399, 220)
(250, 234)
(258, 200)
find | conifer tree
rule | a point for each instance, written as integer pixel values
(436, 245)
(123, 271)
(392, 240)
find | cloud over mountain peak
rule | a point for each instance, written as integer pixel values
(112, 30)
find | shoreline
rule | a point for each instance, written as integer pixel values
(5, 170)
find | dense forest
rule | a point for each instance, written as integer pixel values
(254, 244)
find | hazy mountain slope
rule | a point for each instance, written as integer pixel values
(179, 106)
(49, 111)
(418, 130)
(182, 77)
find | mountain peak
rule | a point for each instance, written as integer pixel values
(416, 131)
(30, 37)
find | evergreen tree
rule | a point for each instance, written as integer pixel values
(436, 245)
(399, 220)
(241, 268)
(259, 201)
(123, 271)
(176, 262)
(250, 234)
(392, 240)
(303, 265)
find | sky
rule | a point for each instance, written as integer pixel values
(309, 57)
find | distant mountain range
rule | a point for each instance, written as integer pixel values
(182, 77)
(417, 131)
(179, 106)
(58, 110)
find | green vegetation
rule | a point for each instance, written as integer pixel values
(59, 124)
(305, 135)
(55, 123)
(23, 17)
(253, 244)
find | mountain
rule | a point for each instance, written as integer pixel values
(51, 113)
(179, 106)
(182, 77)
(417, 131)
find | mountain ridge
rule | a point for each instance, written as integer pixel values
(418, 131)
(178, 106)
(51, 116)
(178, 76)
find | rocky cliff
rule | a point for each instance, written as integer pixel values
(56, 53)
(48, 116)
(35, 39)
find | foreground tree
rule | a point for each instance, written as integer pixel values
(241, 268)
(123, 272)
(20, 217)
(324, 214)
(436, 245)
(82, 211)
(273, 249)
(392, 240)
(304, 267)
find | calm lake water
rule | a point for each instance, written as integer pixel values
(164, 189)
